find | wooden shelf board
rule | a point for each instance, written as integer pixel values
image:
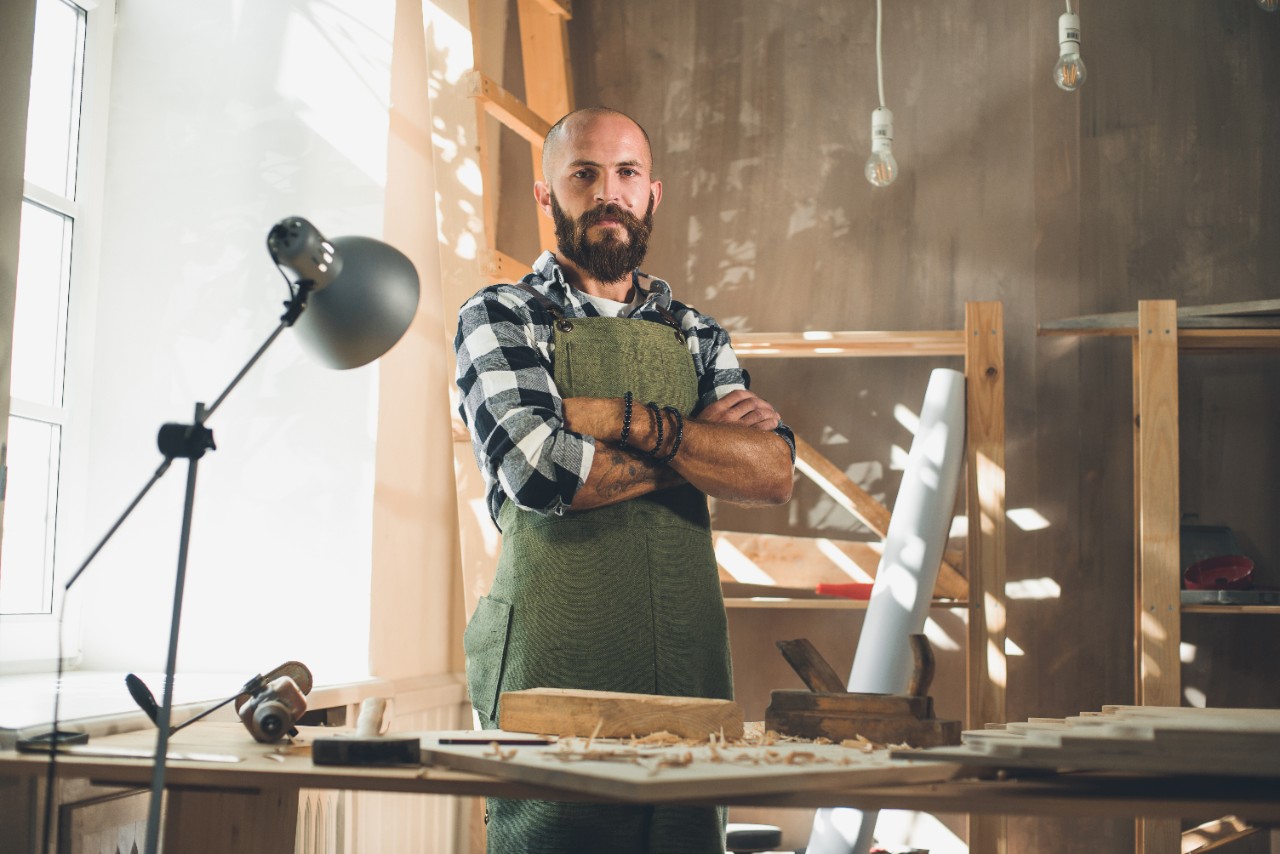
(1189, 339)
(948, 342)
(1231, 609)
(826, 604)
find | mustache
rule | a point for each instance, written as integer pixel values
(609, 211)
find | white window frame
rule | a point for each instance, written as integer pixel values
(28, 642)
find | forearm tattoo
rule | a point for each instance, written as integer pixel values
(622, 471)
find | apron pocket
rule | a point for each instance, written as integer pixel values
(485, 645)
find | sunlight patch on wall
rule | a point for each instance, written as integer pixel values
(938, 636)
(1027, 518)
(1195, 697)
(1033, 588)
(1011, 648)
(1187, 653)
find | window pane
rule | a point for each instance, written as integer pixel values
(26, 561)
(53, 117)
(40, 320)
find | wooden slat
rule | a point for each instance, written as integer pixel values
(507, 108)
(985, 497)
(1158, 629)
(948, 342)
(841, 489)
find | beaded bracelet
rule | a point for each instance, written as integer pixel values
(626, 419)
(675, 446)
(657, 421)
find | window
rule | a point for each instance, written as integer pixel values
(39, 405)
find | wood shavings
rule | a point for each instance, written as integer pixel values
(495, 750)
(662, 737)
(595, 732)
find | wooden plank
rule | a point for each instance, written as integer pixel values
(789, 345)
(548, 84)
(1158, 629)
(985, 499)
(853, 498)
(507, 108)
(1257, 312)
(706, 774)
(608, 714)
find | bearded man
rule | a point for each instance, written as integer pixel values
(603, 413)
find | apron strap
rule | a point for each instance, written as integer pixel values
(542, 300)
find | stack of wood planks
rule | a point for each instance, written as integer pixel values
(1138, 739)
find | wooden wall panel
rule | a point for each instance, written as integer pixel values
(1158, 179)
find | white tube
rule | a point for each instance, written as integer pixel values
(913, 548)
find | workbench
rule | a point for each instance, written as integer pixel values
(214, 806)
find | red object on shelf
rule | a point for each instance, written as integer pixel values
(852, 590)
(1225, 572)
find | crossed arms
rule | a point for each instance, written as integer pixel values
(729, 452)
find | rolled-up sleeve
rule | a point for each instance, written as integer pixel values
(722, 373)
(511, 405)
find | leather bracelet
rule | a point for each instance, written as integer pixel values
(675, 445)
(657, 421)
(626, 419)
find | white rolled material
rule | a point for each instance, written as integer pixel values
(913, 548)
(915, 541)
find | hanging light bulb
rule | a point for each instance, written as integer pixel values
(1269, 5)
(881, 168)
(1069, 73)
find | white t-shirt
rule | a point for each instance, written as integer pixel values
(611, 307)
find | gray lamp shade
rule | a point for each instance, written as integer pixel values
(365, 310)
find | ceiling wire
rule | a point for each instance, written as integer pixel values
(879, 54)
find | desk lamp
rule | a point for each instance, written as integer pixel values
(352, 299)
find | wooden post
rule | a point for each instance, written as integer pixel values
(1158, 607)
(985, 563)
(548, 86)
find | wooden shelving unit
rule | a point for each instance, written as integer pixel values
(1159, 331)
(981, 345)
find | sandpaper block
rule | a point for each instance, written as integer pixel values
(366, 751)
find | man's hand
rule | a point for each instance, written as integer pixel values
(744, 408)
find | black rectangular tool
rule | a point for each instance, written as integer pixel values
(376, 751)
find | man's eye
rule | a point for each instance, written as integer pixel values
(582, 174)
(630, 173)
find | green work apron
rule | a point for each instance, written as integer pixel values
(619, 598)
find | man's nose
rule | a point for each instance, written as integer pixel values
(607, 190)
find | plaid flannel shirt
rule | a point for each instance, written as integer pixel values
(510, 402)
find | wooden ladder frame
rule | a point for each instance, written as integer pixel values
(548, 87)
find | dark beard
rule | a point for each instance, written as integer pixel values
(609, 259)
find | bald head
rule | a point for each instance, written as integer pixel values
(554, 145)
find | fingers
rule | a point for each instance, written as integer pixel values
(744, 408)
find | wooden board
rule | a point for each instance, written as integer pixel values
(705, 772)
(608, 714)
(1150, 740)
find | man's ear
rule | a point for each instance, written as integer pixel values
(655, 187)
(542, 195)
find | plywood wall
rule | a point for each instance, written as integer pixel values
(1159, 179)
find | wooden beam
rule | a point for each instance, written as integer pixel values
(1263, 313)
(842, 490)
(548, 85)
(496, 266)
(948, 342)
(563, 8)
(507, 108)
(1158, 630)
